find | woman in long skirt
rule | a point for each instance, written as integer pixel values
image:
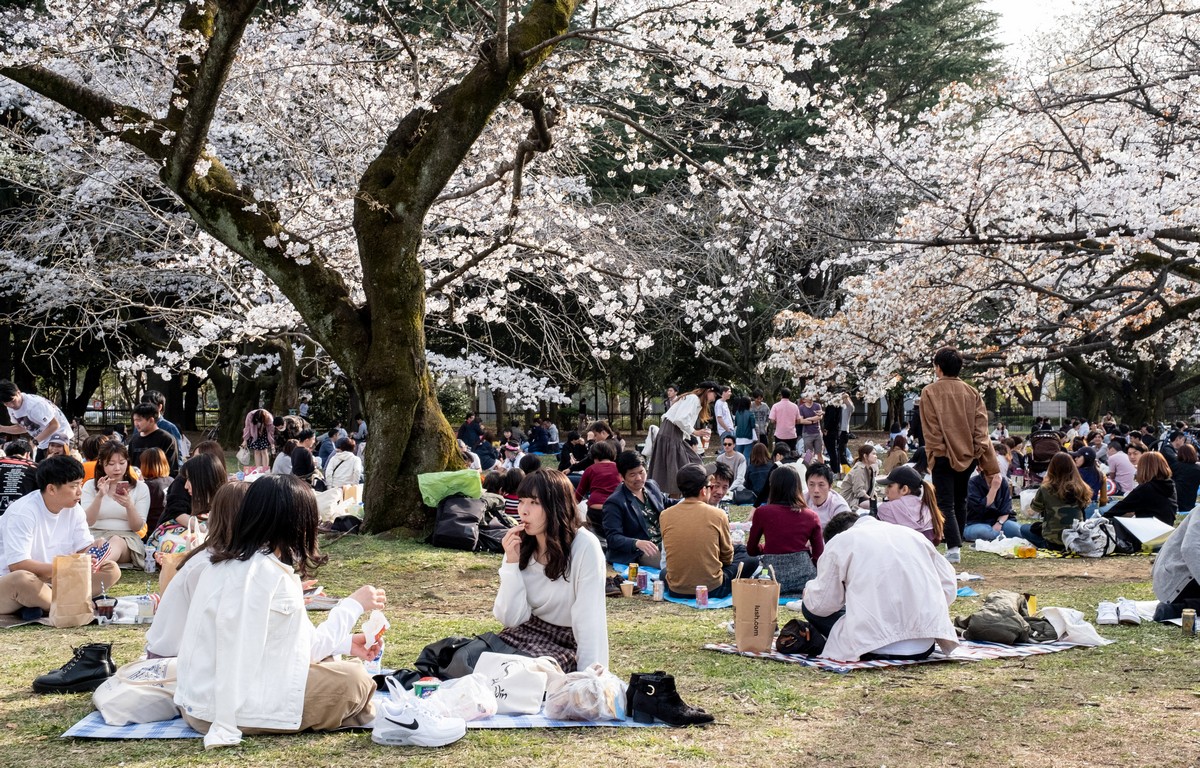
(671, 450)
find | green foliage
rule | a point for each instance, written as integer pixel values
(454, 402)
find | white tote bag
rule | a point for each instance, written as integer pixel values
(519, 682)
(141, 692)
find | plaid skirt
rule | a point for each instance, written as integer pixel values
(541, 638)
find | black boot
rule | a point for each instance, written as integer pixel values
(91, 666)
(653, 697)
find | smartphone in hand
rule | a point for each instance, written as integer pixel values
(122, 487)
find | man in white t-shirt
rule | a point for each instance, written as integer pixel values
(35, 416)
(38, 527)
(722, 413)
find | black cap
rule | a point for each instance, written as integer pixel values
(1088, 454)
(906, 476)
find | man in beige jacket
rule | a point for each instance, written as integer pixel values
(957, 441)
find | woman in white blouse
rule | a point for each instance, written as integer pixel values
(116, 504)
(551, 596)
(671, 451)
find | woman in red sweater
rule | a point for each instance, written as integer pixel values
(598, 483)
(792, 533)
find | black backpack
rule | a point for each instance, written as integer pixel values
(457, 523)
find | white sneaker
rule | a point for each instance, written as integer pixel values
(953, 555)
(403, 720)
(1106, 613)
(1127, 612)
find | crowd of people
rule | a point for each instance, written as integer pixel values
(858, 543)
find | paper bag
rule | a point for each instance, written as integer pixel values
(167, 567)
(71, 583)
(755, 607)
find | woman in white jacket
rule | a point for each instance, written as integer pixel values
(344, 467)
(250, 660)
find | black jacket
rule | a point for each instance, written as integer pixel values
(1153, 499)
(624, 523)
(1187, 484)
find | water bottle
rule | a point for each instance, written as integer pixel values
(151, 566)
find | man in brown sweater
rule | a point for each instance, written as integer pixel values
(955, 424)
(695, 537)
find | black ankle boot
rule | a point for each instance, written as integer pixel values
(91, 666)
(653, 697)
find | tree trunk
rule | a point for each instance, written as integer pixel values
(501, 401)
(191, 402)
(287, 391)
(235, 398)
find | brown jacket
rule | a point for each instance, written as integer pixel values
(696, 538)
(956, 426)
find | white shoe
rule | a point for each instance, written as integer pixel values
(794, 605)
(403, 720)
(953, 555)
(1127, 612)
(1106, 613)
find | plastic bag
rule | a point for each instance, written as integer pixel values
(436, 486)
(469, 697)
(588, 695)
(1005, 546)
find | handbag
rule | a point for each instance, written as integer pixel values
(800, 637)
(454, 657)
(244, 456)
(755, 607)
(140, 692)
(519, 682)
(71, 588)
(792, 570)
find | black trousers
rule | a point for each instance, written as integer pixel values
(950, 488)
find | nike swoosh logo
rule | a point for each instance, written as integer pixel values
(410, 726)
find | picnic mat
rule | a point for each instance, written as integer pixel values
(713, 602)
(93, 726)
(967, 650)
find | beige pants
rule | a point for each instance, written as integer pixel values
(337, 695)
(22, 589)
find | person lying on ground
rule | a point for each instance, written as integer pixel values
(38, 527)
(551, 596)
(250, 660)
(881, 592)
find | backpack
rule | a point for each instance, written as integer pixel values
(1095, 537)
(457, 523)
(1004, 618)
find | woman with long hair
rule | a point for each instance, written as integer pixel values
(1186, 476)
(166, 632)
(670, 450)
(910, 501)
(202, 477)
(1060, 500)
(758, 470)
(896, 455)
(156, 473)
(258, 435)
(551, 596)
(790, 533)
(1155, 492)
(116, 505)
(251, 661)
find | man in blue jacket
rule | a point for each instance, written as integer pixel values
(631, 514)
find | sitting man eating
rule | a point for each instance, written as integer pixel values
(40, 526)
(698, 548)
(881, 592)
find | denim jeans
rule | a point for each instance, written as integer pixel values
(1036, 540)
(986, 532)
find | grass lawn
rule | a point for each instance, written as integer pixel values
(1131, 703)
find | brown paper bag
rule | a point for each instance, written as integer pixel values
(71, 583)
(167, 567)
(755, 607)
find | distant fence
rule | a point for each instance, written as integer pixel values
(104, 417)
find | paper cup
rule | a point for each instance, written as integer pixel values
(627, 588)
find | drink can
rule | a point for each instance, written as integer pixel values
(633, 573)
(643, 581)
(658, 591)
(1189, 622)
(701, 596)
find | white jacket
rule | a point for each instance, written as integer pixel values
(893, 584)
(247, 647)
(343, 468)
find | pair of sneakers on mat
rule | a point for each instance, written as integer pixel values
(1123, 611)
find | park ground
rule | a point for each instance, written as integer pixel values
(1132, 703)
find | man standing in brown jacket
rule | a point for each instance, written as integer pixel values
(955, 424)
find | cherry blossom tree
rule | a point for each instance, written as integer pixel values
(376, 171)
(1051, 218)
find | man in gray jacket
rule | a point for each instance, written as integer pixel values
(1176, 574)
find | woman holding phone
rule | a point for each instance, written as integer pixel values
(116, 505)
(551, 596)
